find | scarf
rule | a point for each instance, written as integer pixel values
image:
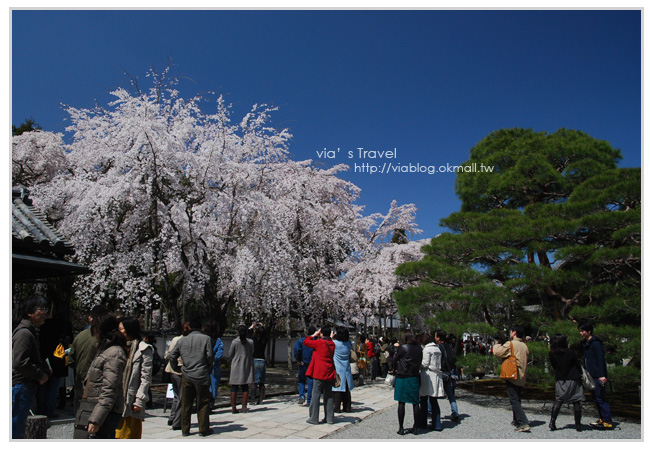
(129, 366)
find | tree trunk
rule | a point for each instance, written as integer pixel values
(287, 324)
(176, 313)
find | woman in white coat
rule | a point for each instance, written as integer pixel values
(136, 381)
(431, 385)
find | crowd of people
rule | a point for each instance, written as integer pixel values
(568, 376)
(114, 365)
(424, 367)
(113, 371)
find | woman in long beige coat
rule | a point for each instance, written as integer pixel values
(431, 384)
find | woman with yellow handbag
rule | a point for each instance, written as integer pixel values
(136, 380)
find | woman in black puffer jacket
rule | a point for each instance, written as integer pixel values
(406, 367)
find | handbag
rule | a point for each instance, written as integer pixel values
(337, 380)
(509, 366)
(82, 415)
(362, 363)
(390, 379)
(587, 380)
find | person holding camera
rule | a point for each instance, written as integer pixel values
(322, 371)
(515, 386)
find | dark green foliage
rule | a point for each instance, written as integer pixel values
(28, 125)
(624, 377)
(539, 376)
(539, 370)
(549, 238)
(473, 363)
(531, 167)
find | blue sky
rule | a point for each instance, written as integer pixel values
(429, 83)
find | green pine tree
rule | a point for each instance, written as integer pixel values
(551, 236)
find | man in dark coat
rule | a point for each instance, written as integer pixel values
(596, 366)
(28, 370)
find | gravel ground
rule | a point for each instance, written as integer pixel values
(60, 431)
(488, 417)
(482, 418)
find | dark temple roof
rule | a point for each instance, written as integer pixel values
(31, 230)
(38, 249)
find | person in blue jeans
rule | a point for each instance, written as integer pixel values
(215, 373)
(596, 365)
(260, 338)
(27, 367)
(302, 354)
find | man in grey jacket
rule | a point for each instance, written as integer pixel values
(195, 350)
(27, 368)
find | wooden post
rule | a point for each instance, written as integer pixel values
(36, 427)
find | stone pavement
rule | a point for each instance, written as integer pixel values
(276, 418)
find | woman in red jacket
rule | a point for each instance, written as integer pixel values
(321, 369)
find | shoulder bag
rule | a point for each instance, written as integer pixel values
(588, 382)
(82, 415)
(509, 366)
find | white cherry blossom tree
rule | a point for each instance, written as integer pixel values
(173, 207)
(36, 157)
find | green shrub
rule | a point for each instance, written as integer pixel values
(624, 377)
(539, 377)
(538, 353)
(474, 363)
